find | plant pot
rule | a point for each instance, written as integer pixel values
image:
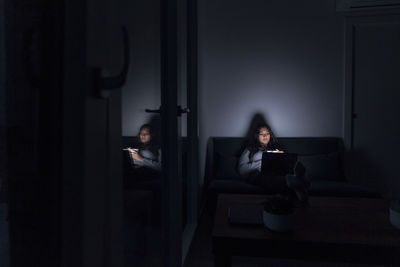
(279, 222)
(394, 213)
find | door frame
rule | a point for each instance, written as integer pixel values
(176, 242)
(192, 127)
(91, 206)
(74, 94)
(171, 180)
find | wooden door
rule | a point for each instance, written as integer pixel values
(92, 180)
(373, 91)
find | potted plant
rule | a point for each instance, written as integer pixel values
(279, 213)
(395, 213)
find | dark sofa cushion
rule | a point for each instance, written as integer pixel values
(311, 145)
(325, 167)
(226, 167)
(226, 155)
(340, 189)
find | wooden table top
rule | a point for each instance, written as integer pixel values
(329, 220)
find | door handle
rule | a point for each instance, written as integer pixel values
(180, 110)
(105, 85)
(153, 110)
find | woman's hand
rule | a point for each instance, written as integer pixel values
(135, 155)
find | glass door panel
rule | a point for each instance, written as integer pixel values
(142, 137)
(187, 108)
(159, 204)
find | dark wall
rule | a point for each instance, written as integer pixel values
(283, 59)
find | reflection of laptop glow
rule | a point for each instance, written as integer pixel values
(278, 163)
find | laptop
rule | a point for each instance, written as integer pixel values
(278, 163)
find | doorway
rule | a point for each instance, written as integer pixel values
(371, 127)
(161, 92)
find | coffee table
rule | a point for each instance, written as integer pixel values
(354, 230)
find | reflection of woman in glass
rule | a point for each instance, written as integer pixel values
(148, 154)
(264, 140)
(143, 174)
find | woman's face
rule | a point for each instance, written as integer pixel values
(264, 136)
(144, 135)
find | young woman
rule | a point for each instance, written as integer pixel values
(148, 154)
(249, 165)
(263, 140)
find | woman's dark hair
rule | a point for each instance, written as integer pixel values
(152, 145)
(253, 144)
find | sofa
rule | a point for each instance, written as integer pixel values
(323, 158)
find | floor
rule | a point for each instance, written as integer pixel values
(200, 253)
